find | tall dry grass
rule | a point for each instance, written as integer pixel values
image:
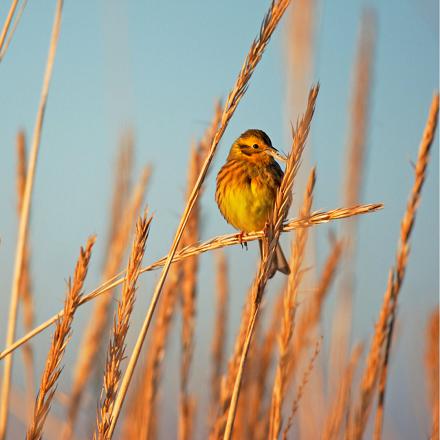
(119, 234)
(25, 289)
(356, 157)
(296, 265)
(61, 337)
(25, 213)
(432, 370)
(121, 323)
(189, 280)
(399, 270)
(274, 384)
(220, 330)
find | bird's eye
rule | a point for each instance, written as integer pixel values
(255, 146)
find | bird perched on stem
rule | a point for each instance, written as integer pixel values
(247, 185)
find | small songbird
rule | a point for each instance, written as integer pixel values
(247, 185)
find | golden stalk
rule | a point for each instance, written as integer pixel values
(299, 50)
(302, 385)
(398, 272)
(288, 316)
(188, 302)
(189, 281)
(118, 240)
(258, 423)
(270, 22)
(356, 152)
(432, 370)
(60, 339)
(4, 47)
(24, 220)
(219, 337)
(116, 348)
(338, 408)
(310, 314)
(218, 242)
(25, 280)
(8, 20)
(227, 380)
(356, 427)
(141, 415)
(270, 241)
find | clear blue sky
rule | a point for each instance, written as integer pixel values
(158, 67)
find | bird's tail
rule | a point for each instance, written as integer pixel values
(279, 262)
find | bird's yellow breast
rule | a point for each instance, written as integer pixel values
(245, 196)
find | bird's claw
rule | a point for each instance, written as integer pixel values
(266, 229)
(240, 240)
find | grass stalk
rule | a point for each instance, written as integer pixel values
(220, 327)
(119, 236)
(24, 220)
(302, 385)
(398, 272)
(288, 315)
(432, 370)
(189, 281)
(25, 279)
(356, 154)
(8, 20)
(4, 47)
(116, 348)
(61, 337)
(338, 408)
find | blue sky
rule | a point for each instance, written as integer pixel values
(158, 67)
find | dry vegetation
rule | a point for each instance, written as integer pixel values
(271, 382)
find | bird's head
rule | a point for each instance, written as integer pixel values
(255, 146)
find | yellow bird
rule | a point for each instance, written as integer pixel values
(247, 185)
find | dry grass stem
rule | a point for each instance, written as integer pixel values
(370, 375)
(189, 281)
(432, 369)
(356, 152)
(228, 378)
(61, 337)
(338, 409)
(220, 326)
(360, 109)
(270, 22)
(116, 349)
(119, 235)
(218, 242)
(310, 313)
(5, 46)
(270, 241)
(299, 49)
(24, 219)
(8, 20)
(302, 385)
(288, 315)
(258, 424)
(188, 302)
(140, 419)
(398, 272)
(123, 170)
(25, 290)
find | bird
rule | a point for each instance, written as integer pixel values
(246, 188)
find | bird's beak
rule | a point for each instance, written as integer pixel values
(276, 154)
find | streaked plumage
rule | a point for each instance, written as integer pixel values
(247, 186)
